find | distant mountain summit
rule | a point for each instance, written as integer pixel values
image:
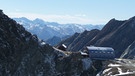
(117, 34)
(46, 30)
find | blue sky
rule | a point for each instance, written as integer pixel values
(70, 11)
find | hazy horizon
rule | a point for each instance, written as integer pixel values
(70, 11)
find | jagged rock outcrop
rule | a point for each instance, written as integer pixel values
(23, 54)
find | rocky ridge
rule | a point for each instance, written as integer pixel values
(23, 54)
(116, 34)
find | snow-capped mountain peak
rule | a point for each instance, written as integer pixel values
(46, 30)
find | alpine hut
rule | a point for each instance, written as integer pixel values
(62, 47)
(101, 53)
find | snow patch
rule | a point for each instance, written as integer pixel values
(43, 43)
(109, 73)
(119, 70)
(124, 73)
(114, 65)
(106, 70)
(82, 53)
(64, 45)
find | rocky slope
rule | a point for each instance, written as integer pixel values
(120, 38)
(55, 40)
(78, 41)
(119, 67)
(129, 52)
(23, 54)
(116, 34)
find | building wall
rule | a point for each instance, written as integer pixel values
(101, 54)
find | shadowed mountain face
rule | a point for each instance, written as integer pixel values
(129, 52)
(78, 41)
(107, 29)
(116, 34)
(120, 38)
(23, 54)
(55, 40)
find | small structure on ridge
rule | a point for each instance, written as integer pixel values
(100, 53)
(63, 47)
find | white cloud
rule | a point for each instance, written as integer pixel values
(80, 15)
(79, 18)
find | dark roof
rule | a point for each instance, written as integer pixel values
(101, 53)
(100, 48)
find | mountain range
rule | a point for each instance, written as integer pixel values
(117, 34)
(24, 54)
(46, 30)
